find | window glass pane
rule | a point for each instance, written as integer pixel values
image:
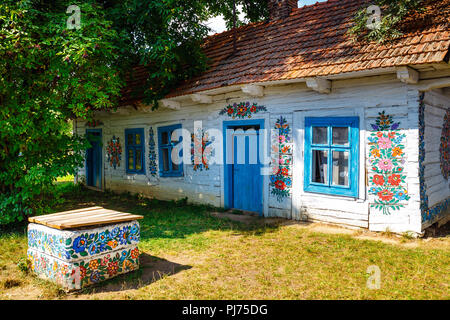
(165, 138)
(319, 166)
(340, 136)
(320, 135)
(138, 138)
(129, 138)
(340, 168)
(175, 167)
(138, 159)
(130, 159)
(165, 152)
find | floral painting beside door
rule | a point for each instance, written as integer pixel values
(114, 152)
(152, 152)
(281, 180)
(201, 158)
(387, 159)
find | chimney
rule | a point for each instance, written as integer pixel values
(280, 9)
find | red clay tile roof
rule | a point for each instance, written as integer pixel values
(313, 41)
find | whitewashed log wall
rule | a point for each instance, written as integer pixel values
(364, 97)
(436, 186)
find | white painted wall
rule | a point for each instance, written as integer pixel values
(436, 102)
(364, 97)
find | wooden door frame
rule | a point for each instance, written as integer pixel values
(228, 185)
(101, 160)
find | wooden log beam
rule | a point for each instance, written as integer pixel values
(253, 90)
(201, 98)
(408, 75)
(319, 84)
(170, 104)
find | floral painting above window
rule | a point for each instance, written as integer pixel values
(281, 181)
(387, 160)
(444, 149)
(205, 153)
(114, 152)
(152, 153)
(94, 123)
(242, 110)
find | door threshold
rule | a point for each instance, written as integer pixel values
(94, 188)
(244, 212)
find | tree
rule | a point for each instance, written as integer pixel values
(393, 13)
(49, 74)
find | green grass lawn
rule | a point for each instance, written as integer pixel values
(188, 254)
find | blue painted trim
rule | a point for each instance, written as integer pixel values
(134, 146)
(353, 149)
(100, 158)
(169, 147)
(228, 174)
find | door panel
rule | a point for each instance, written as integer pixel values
(246, 170)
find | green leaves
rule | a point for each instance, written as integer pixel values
(392, 13)
(47, 75)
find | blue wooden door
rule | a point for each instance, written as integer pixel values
(246, 170)
(94, 159)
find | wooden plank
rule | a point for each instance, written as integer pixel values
(70, 216)
(100, 217)
(98, 222)
(31, 219)
(84, 217)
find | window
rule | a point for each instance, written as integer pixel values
(165, 145)
(134, 142)
(331, 155)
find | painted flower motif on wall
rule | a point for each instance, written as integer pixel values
(152, 153)
(386, 159)
(114, 152)
(202, 157)
(444, 148)
(242, 110)
(281, 181)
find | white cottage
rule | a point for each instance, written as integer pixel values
(296, 122)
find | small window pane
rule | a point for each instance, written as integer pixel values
(340, 136)
(340, 168)
(138, 159)
(130, 138)
(165, 138)
(165, 152)
(130, 160)
(320, 166)
(320, 135)
(138, 139)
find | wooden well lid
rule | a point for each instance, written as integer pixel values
(86, 217)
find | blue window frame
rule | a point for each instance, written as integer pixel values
(332, 155)
(165, 145)
(134, 151)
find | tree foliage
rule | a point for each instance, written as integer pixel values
(47, 75)
(50, 74)
(393, 12)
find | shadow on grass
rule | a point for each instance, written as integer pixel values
(162, 219)
(151, 270)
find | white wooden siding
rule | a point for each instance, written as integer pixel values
(363, 97)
